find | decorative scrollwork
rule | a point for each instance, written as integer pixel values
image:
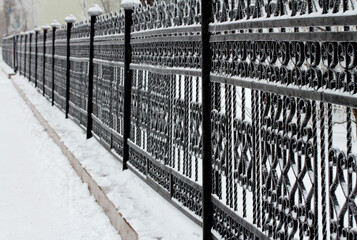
(283, 84)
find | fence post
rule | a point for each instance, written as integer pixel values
(93, 13)
(207, 214)
(128, 8)
(14, 39)
(69, 20)
(37, 30)
(19, 54)
(45, 29)
(30, 53)
(25, 56)
(54, 26)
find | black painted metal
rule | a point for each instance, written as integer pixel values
(44, 62)
(19, 54)
(127, 87)
(30, 56)
(262, 100)
(68, 67)
(207, 214)
(90, 78)
(53, 66)
(14, 62)
(36, 56)
(25, 49)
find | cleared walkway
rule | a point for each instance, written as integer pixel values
(41, 197)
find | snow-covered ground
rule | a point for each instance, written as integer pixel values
(41, 197)
(149, 214)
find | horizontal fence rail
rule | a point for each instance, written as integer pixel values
(273, 82)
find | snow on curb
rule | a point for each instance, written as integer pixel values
(116, 218)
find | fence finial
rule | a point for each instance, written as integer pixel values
(55, 24)
(37, 29)
(46, 27)
(130, 4)
(95, 10)
(70, 19)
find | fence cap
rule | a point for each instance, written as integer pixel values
(70, 19)
(95, 10)
(37, 29)
(31, 32)
(55, 24)
(46, 27)
(130, 4)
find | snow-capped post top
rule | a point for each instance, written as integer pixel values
(37, 29)
(130, 4)
(46, 27)
(70, 19)
(95, 11)
(31, 31)
(55, 24)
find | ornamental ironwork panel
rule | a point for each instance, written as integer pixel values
(166, 102)
(60, 68)
(21, 54)
(61, 33)
(275, 150)
(80, 30)
(8, 50)
(60, 81)
(26, 55)
(40, 61)
(48, 65)
(110, 24)
(79, 61)
(108, 90)
(32, 58)
(283, 108)
(79, 90)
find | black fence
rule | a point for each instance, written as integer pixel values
(240, 113)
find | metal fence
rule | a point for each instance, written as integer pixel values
(240, 113)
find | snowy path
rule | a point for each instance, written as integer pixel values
(41, 195)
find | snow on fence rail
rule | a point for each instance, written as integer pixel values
(276, 157)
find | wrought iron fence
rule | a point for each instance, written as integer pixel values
(273, 83)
